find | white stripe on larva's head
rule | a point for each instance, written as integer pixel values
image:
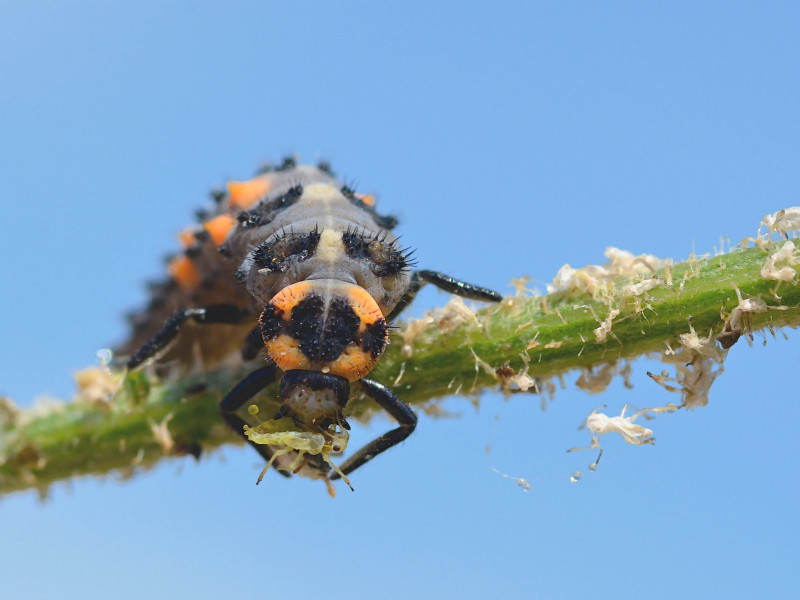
(330, 248)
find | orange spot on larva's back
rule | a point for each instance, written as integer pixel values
(367, 199)
(243, 194)
(218, 228)
(187, 237)
(184, 272)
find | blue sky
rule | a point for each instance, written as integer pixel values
(510, 141)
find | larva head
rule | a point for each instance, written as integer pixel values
(324, 325)
(314, 400)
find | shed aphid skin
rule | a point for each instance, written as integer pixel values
(302, 268)
(599, 423)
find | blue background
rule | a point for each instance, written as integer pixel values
(510, 139)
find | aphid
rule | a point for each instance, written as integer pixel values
(283, 435)
(294, 264)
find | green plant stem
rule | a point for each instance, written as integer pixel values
(548, 335)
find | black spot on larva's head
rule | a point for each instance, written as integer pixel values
(264, 212)
(323, 332)
(384, 258)
(278, 254)
(373, 340)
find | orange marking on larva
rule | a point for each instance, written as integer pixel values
(289, 296)
(184, 272)
(218, 228)
(364, 305)
(285, 351)
(367, 199)
(354, 363)
(186, 236)
(243, 194)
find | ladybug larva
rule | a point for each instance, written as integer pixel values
(301, 267)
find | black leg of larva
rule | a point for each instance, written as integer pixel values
(386, 399)
(253, 344)
(446, 283)
(458, 287)
(240, 395)
(219, 313)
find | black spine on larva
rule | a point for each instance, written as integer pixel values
(194, 250)
(217, 195)
(278, 254)
(325, 167)
(249, 218)
(288, 164)
(384, 257)
(383, 221)
(265, 212)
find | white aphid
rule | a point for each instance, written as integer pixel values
(784, 221)
(587, 279)
(592, 279)
(637, 289)
(704, 346)
(788, 254)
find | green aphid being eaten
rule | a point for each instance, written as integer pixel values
(283, 433)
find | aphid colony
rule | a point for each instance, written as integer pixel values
(299, 266)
